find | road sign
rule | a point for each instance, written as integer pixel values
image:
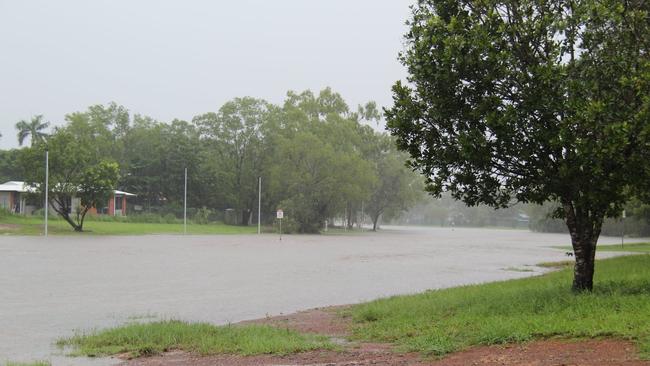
(280, 214)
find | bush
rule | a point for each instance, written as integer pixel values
(4, 212)
(202, 216)
(289, 226)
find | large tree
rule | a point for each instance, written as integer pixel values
(81, 176)
(233, 138)
(530, 101)
(397, 187)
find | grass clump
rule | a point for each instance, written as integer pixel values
(443, 321)
(517, 269)
(556, 265)
(145, 339)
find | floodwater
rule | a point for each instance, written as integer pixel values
(50, 288)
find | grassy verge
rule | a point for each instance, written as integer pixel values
(632, 247)
(205, 339)
(26, 225)
(444, 321)
(35, 363)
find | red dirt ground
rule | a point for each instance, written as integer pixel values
(325, 321)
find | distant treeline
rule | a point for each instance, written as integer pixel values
(446, 211)
(318, 159)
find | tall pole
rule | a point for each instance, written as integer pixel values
(47, 178)
(259, 205)
(623, 229)
(363, 218)
(185, 205)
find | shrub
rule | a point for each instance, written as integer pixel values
(202, 216)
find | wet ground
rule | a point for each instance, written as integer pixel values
(52, 287)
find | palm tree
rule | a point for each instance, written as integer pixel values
(33, 128)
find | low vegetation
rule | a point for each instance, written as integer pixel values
(632, 247)
(33, 225)
(34, 363)
(443, 321)
(143, 339)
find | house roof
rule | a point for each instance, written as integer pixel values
(15, 186)
(18, 186)
(122, 193)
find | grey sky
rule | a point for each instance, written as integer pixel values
(176, 59)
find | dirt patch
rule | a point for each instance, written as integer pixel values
(327, 321)
(549, 353)
(9, 227)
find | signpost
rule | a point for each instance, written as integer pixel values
(280, 215)
(47, 188)
(623, 229)
(259, 206)
(184, 205)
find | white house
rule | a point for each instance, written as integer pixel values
(13, 196)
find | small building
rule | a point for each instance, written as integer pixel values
(117, 203)
(13, 197)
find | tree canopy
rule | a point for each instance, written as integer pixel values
(530, 101)
(319, 161)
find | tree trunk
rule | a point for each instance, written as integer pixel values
(584, 228)
(375, 220)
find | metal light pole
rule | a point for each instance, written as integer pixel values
(47, 178)
(363, 218)
(185, 205)
(259, 205)
(623, 229)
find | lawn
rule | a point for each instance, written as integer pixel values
(433, 323)
(632, 247)
(26, 225)
(144, 339)
(443, 321)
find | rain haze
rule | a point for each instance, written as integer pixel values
(173, 59)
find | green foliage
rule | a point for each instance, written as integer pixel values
(205, 339)
(32, 129)
(443, 321)
(78, 167)
(202, 216)
(397, 187)
(530, 101)
(9, 169)
(316, 159)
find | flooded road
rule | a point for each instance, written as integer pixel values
(51, 287)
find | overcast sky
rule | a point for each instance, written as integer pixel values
(177, 59)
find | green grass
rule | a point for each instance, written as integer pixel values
(444, 321)
(143, 339)
(34, 363)
(26, 225)
(632, 247)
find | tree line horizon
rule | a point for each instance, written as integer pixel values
(318, 160)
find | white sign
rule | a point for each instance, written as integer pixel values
(280, 214)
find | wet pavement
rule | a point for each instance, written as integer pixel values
(50, 288)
